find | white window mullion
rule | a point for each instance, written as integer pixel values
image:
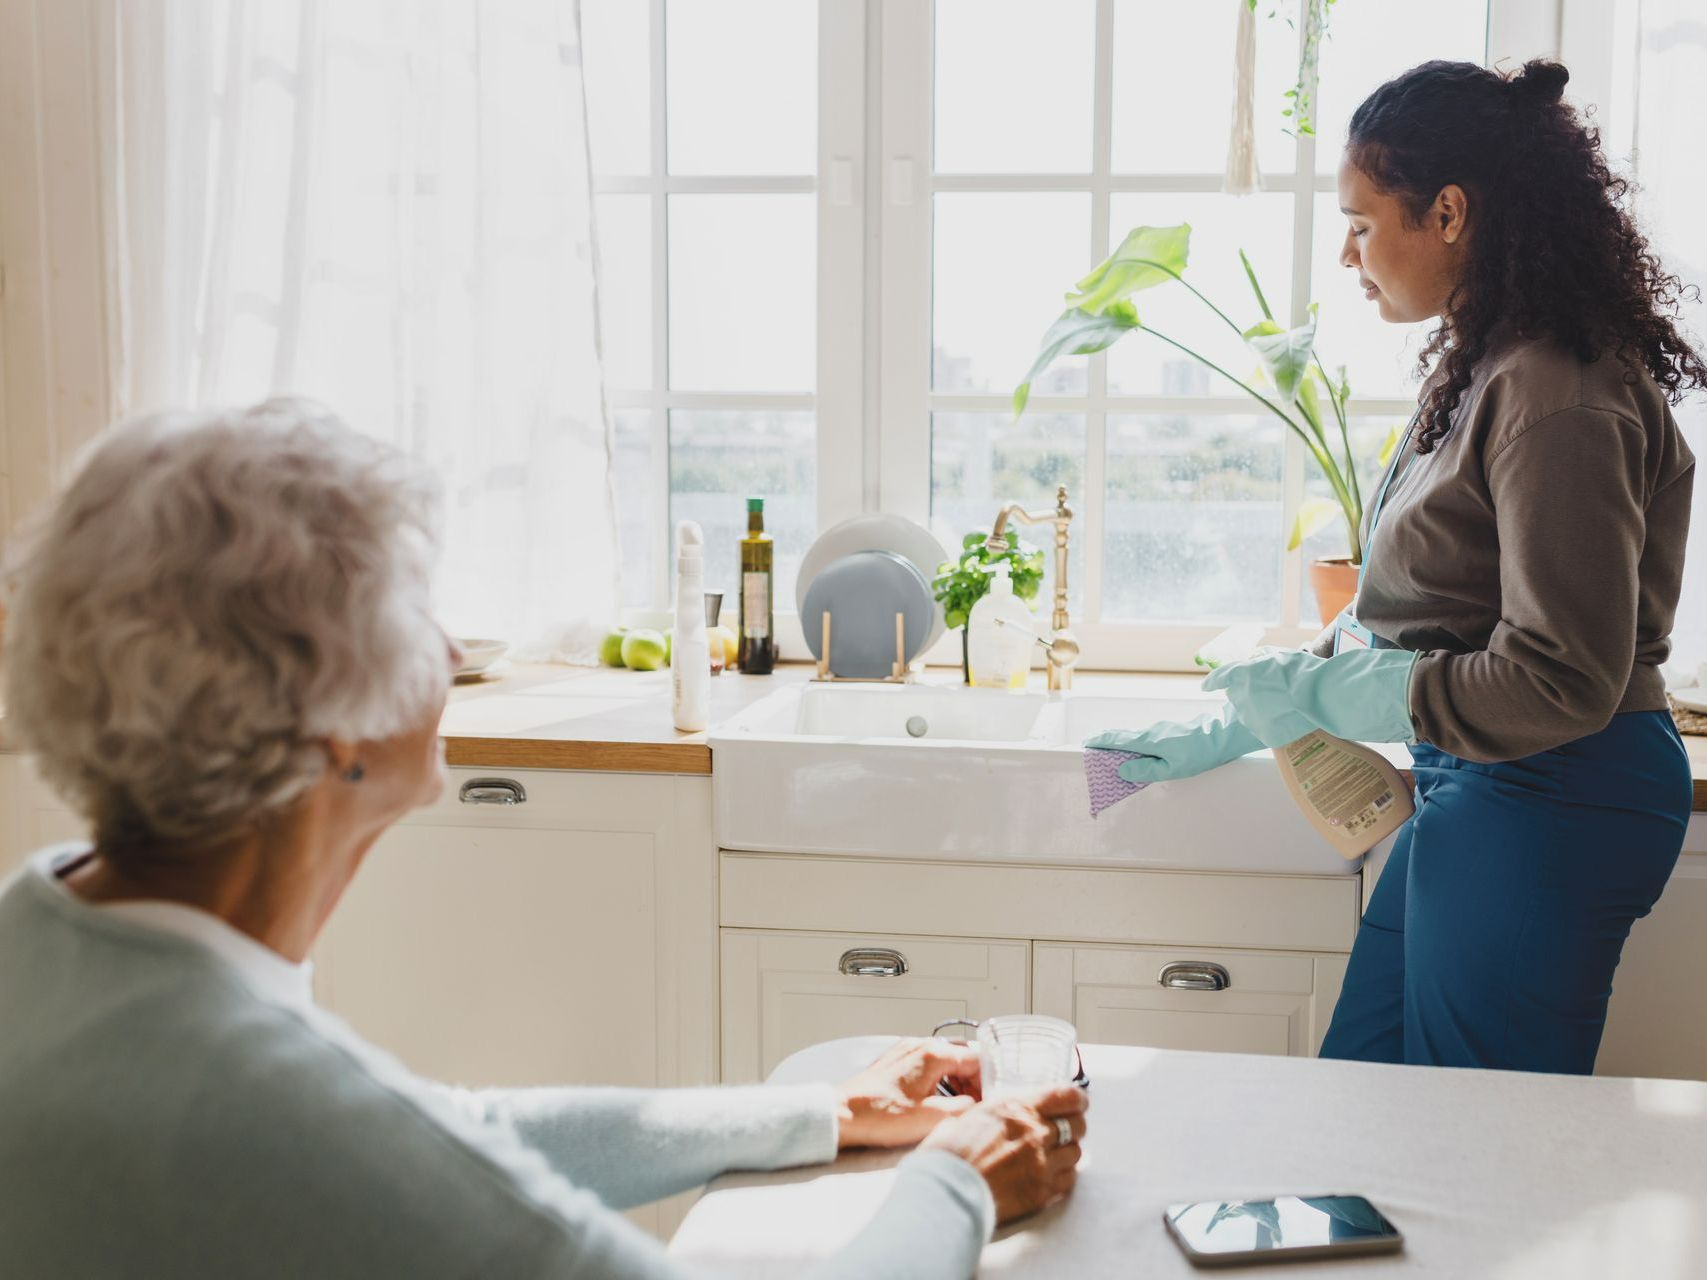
(1522, 29)
(1091, 505)
(659, 206)
(1294, 457)
(840, 386)
(904, 172)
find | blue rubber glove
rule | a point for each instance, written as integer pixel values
(1362, 695)
(1180, 750)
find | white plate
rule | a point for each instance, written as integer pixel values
(865, 591)
(894, 534)
(477, 655)
(1694, 698)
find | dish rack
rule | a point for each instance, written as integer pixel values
(899, 673)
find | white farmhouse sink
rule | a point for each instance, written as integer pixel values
(917, 771)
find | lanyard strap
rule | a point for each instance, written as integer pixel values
(1394, 472)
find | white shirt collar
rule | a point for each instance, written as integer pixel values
(267, 974)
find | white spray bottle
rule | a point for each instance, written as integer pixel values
(690, 658)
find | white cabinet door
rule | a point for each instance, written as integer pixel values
(1657, 1022)
(566, 939)
(570, 939)
(784, 991)
(1272, 1002)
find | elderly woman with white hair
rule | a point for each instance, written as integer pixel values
(221, 649)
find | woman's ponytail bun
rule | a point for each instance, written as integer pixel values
(1541, 81)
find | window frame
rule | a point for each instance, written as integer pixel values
(837, 397)
(907, 400)
(874, 186)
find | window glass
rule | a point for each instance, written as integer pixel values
(743, 290)
(742, 85)
(1192, 522)
(980, 462)
(720, 458)
(1173, 87)
(1013, 85)
(1004, 260)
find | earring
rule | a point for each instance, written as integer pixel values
(355, 773)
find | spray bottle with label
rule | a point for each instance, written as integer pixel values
(1352, 795)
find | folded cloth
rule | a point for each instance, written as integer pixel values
(1102, 776)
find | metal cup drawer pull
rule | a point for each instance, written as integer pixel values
(1195, 975)
(492, 791)
(873, 962)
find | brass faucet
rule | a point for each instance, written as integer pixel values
(1063, 646)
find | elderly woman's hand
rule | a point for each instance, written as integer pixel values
(894, 1102)
(1017, 1143)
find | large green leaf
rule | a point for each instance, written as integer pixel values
(1285, 353)
(1078, 333)
(1137, 264)
(1313, 514)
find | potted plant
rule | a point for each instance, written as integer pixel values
(960, 584)
(1298, 391)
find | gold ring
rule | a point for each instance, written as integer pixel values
(1063, 1132)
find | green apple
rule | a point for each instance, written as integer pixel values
(643, 650)
(610, 648)
(670, 647)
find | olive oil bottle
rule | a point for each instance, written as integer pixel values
(757, 654)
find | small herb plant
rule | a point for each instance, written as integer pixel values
(960, 584)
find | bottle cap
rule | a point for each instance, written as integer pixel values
(755, 504)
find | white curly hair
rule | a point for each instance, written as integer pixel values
(211, 598)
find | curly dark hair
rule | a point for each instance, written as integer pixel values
(1553, 250)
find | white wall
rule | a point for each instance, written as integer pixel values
(53, 341)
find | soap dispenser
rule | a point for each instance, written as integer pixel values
(999, 635)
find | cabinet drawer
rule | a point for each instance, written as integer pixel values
(1276, 1004)
(783, 991)
(1078, 904)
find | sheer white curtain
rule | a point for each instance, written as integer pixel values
(383, 204)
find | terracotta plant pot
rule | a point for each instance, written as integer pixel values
(1335, 583)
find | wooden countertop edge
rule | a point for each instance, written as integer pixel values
(594, 757)
(692, 758)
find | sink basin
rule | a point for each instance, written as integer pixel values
(950, 773)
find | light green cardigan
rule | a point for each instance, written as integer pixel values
(169, 1110)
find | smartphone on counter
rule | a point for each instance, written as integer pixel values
(1240, 1232)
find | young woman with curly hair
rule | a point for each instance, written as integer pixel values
(1523, 563)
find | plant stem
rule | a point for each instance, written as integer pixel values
(1345, 439)
(1163, 267)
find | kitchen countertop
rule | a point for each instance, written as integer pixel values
(1487, 1173)
(527, 716)
(547, 717)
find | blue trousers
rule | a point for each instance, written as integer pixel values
(1493, 933)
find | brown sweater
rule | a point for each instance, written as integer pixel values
(1535, 557)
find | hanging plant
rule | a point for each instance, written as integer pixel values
(1301, 97)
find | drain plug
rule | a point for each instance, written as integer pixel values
(917, 727)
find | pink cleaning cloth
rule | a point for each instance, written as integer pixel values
(1102, 776)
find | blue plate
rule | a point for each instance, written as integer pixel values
(864, 591)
